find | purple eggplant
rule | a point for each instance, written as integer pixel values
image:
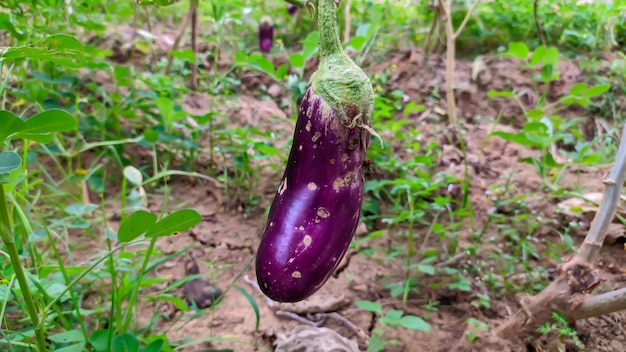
(317, 207)
(292, 9)
(266, 34)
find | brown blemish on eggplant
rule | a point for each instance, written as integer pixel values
(316, 136)
(317, 220)
(283, 186)
(301, 228)
(344, 158)
(314, 146)
(307, 240)
(344, 181)
(308, 126)
(323, 212)
(353, 143)
(332, 161)
(312, 186)
(296, 274)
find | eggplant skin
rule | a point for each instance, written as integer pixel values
(317, 207)
(266, 34)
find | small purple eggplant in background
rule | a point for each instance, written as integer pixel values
(266, 34)
(291, 9)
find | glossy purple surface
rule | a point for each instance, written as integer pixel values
(291, 9)
(266, 36)
(317, 206)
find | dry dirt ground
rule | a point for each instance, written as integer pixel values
(228, 238)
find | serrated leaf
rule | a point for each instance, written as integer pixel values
(135, 225)
(414, 323)
(175, 223)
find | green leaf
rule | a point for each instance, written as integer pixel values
(370, 306)
(596, 90)
(538, 55)
(125, 343)
(252, 302)
(156, 2)
(498, 94)
(426, 269)
(79, 347)
(98, 340)
(358, 43)
(133, 175)
(154, 346)
(414, 323)
(9, 161)
(578, 88)
(9, 125)
(518, 50)
(151, 135)
(518, 138)
(6, 24)
(394, 314)
(282, 71)
(80, 209)
(61, 49)
(67, 336)
(551, 57)
(175, 223)
(262, 64)
(296, 60)
(47, 122)
(135, 225)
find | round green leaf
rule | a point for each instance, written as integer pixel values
(133, 175)
(135, 225)
(154, 346)
(125, 343)
(9, 161)
(175, 223)
(414, 323)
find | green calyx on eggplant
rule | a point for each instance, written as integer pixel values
(317, 207)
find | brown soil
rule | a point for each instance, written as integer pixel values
(228, 238)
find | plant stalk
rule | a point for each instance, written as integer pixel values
(590, 248)
(9, 242)
(330, 43)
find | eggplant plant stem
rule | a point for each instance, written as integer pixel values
(451, 36)
(328, 28)
(590, 248)
(601, 304)
(9, 242)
